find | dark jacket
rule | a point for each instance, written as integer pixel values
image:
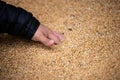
(17, 21)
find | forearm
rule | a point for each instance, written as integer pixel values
(17, 21)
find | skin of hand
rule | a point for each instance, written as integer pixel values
(47, 36)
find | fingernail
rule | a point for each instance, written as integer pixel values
(61, 38)
(51, 41)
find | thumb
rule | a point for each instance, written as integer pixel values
(46, 41)
(51, 42)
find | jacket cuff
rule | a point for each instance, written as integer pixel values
(32, 28)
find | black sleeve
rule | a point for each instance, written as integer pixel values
(17, 21)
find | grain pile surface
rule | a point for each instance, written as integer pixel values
(91, 50)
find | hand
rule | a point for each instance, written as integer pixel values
(47, 36)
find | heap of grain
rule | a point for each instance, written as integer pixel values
(89, 52)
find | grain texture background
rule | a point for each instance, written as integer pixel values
(91, 51)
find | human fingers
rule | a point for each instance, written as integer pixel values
(46, 41)
(60, 36)
(53, 37)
